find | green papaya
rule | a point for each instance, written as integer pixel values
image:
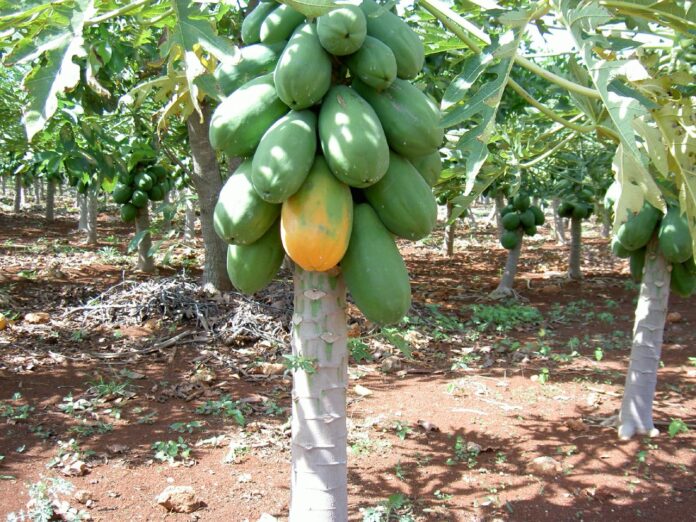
(280, 24)
(284, 156)
(411, 121)
(241, 216)
(521, 202)
(393, 31)
(636, 264)
(374, 271)
(251, 267)
(565, 209)
(352, 138)
(530, 230)
(122, 193)
(373, 63)
(539, 218)
(250, 62)
(683, 280)
(429, 166)
(303, 74)
(511, 221)
(618, 249)
(158, 173)
(510, 239)
(144, 181)
(251, 25)
(240, 121)
(674, 237)
(527, 218)
(139, 198)
(342, 31)
(637, 231)
(128, 213)
(580, 211)
(403, 200)
(507, 209)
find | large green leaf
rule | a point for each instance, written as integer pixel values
(312, 8)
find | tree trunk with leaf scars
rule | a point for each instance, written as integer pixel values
(636, 415)
(558, 226)
(207, 182)
(450, 231)
(319, 432)
(92, 200)
(146, 262)
(574, 271)
(505, 287)
(18, 193)
(50, 199)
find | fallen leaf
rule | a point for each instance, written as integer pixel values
(427, 426)
(362, 390)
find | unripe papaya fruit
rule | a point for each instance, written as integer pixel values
(342, 31)
(510, 239)
(565, 209)
(580, 211)
(674, 237)
(251, 267)
(403, 200)
(251, 25)
(683, 280)
(511, 221)
(429, 166)
(240, 121)
(303, 74)
(128, 213)
(139, 198)
(373, 63)
(316, 221)
(251, 61)
(374, 271)
(284, 156)
(521, 202)
(280, 24)
(530, 230)
(241, 216)
(393, 31)
(352, 138)
(539, 218)
(411, 121)
(618, 249)
(637, 263)
(122, 193)
(637, 231)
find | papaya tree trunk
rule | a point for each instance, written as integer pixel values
(146, 263)
(319, 479)
(189, 214)
(18, 193)
(50, 199)
(4, 185)
(558, 227)
(208, 183)
(574, 271)
(92, 214)
(635, 416)
(82, 204)
(505, 287)
(450, 231)
(499, 205)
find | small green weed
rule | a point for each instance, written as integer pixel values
(402, 430)
(359, 351)
(464, 452)
(501, 318)
(186, 427)
(170, 450)
(677, 426)
(44, 497)
(298, 362)
(226, 407)
(397, 508)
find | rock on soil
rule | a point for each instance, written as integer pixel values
(180, 499)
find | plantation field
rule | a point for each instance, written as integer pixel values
(471, 409)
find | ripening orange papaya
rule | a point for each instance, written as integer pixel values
(315, 222)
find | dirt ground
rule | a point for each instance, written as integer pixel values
(470, 410)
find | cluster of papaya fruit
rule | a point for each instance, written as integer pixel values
(576, 199)
(674, 242)
(144, 182)
(339, 150)
(519, 217)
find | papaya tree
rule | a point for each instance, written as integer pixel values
(645, 106)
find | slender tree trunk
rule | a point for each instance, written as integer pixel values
(189, 215)
(505, 287)
(319, 432)
(574, 271)
(4, 185)
(207, 183)
(82, 204)
(146, 262)
(648, 329)
(499, 205)
(50, 199)
(92, 202)
(18, 193)
(450, 230)
(606, 220)
(37, 191)
(558, 227)
(471, 217)
(167, 213)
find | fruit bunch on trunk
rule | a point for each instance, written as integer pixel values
(340, 150)
(144, 182)
(674, 243)
(519, 217)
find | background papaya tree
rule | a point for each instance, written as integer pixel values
(647, 107)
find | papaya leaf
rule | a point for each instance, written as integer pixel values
(58, 41)
(137, 239)
(314, 8)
